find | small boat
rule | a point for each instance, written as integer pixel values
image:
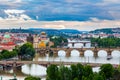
(109, 57)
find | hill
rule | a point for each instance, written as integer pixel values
(106, 30)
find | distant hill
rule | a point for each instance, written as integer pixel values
(106, 30)
(56, 31)
(72, 31)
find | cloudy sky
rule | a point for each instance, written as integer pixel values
(60, 14)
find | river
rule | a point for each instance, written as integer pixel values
(40, 71)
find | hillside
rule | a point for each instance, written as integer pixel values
(107, 30)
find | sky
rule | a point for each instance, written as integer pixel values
(60, 14)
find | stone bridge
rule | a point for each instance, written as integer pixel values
(47, 63)
(54, 51)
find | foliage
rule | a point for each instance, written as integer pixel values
(107, 70)
(26, 51)
(52, 72)
(5, 54)
(65, 73)
(97, 76)
(80, 72)
(106, 42)
(32, 78)
(58, 41)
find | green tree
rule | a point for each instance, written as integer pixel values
(107, 70)
(26, 51)
(80, 71)
(65, 73)
(52, 73)
(58, 40)
(97, 76)
(87, 70)
(32, 78)
(74, 71)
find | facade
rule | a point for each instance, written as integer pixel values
(8, 41)
(30, 38)
(41, 41)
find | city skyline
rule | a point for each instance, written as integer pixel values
(67, 14)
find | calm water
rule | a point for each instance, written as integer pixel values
(37, 70)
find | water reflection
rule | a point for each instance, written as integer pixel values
(38, 70)
(33, 69)
(115, 53)
(61, 53)
(88, 53)
(102, 53)
(75, 53)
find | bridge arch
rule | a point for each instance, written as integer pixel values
(102, 53)
(115, 53)
(78, 45)
(61, 53)
(87, 45)
(75, 52)
(88, 53)
(70, 45)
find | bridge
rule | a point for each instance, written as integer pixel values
(83, 43)
(15, 64)
(54, 51)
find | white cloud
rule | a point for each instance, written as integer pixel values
(11, 1)
(80, 25)
(111, 1)
(16, 14)
(9, 11)
(108, 2)
(54, 26)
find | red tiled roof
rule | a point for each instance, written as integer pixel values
(8, 44)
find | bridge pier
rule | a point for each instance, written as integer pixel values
(42, 52)
(55, 53)
(82, 53)
(4, 67)
(95, 53)
(14, 66)
(68, 52)
(109, 52)
(73, 44)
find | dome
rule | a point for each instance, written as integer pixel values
(7, 36)
(43, 33)
(42, 44)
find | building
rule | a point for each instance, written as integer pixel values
(30, 38)
(7, 42)
(41, 41)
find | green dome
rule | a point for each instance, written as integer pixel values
(7, 36)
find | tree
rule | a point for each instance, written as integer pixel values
(87, 70)
(26, 51)
(80, 71)
(74, 71)
(107, 70)
(97, 76)
(65, 73)
(5, 54)
(52, 73)
(32, 78)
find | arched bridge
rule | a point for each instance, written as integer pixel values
(54, 51)
(47, 63)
